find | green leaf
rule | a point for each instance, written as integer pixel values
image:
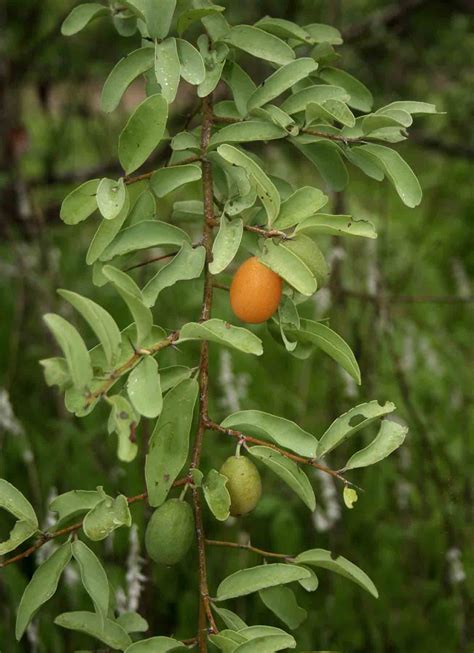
(247, 131)
(289, 266)
(159, 16)
(167, 68)
(260, 44)
(123, 421)
(302, 204)
(132, 296)
(216, 330)
(122, 75)
(340, 565)
(231, 620)
(155, 645)
(324, 33)
(336, 225)
(56, 372)
(271, 639)
(106, 233)
(365, 162)
(331, 110)
(288, 471)
(326, 157)
(390, 436)
(226, 244)
(349, 496)
(90, 623)
(143, 132)
(241, 85)
(80, 16)
(351, 422)
(411, 107)
(80, 203)
(21, 531)
(185, 141)
(187, 264)
(191, 62)
(18, 505)
(376, 121)
(310, 584)
(284, 29)
(132, 622)
(74, 349)
(41, 587)
(265, 188)
(317, 93)
(106, 516)
(144, 389)
(190, 16)
(281, 80)
(282, 602)
(169, 443)
(171, 376)
(74, 502)
(146, 234)
(330, 342)
(100, 321)
(227, 640)
(398, 171)
(167, 180)
(277, 430)
(216, 494)
(360, 96)
(254, 579)
(93, 576)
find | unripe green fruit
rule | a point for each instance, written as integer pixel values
(244, 484)
(311, 255)
(170, 532)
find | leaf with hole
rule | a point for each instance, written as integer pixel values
(336, 225)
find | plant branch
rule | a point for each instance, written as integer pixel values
(146, 175)
(292, 456)
(249, 547)
(205, 613)
(47, 537)
(155, 259)
(129, 363)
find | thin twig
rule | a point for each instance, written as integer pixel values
(146, 175)
(292, 456)
(116, 373)
(47, 537)
(249, 547)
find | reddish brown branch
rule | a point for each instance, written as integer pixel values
(292, 456)
(205, 613)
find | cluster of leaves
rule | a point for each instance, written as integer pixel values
(260, 214)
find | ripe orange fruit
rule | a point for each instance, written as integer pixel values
(255, 291)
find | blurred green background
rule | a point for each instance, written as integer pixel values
(404, 302)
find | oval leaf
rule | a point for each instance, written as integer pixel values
(105, 517)
(360, 97)
(226, 244)
(288, 471)
(167, 68)
(217, 495)
(169, 443)
(110, 633)
(302, 204)
(166, 180)
(41, 587)
(146, 234)
(93, 576)
(155, 645)
(143, 132)
(390, 436)
(80, 203)
(74, 349)
(277, 430)
(81, 16)
(282, 602)
(336, 225)
(259, 44)
(144, 388)
(216, 330)
(247, 131)
(122, 75)
(289, 266)
(338, 564)
(192, 64)
(254, 579)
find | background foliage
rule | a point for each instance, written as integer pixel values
(412, 529)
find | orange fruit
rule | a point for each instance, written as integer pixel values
(255, 291)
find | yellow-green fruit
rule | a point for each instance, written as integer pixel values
(310, 254)
(244, 484)
(170, 532)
